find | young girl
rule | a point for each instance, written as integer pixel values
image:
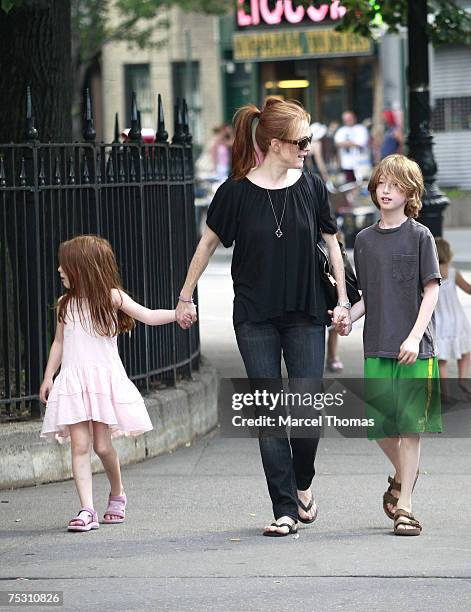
(453, 329)
(92, 397)
(397, 269)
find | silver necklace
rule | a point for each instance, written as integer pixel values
(278, 232)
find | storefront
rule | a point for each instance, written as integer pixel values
(292, 52)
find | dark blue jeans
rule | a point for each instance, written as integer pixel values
(288, 464)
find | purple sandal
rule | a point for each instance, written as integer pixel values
(116, 507)
(92, 523)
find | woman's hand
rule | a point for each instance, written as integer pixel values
(45, 389)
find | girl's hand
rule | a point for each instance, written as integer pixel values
(45, 389)
(409, 351)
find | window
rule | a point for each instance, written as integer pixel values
(452, 114)
(186, 84)
(137, 78)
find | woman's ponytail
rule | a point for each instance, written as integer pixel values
(244, 156)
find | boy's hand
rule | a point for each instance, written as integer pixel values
(45, 389)
(409, 351)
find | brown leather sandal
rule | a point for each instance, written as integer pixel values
(411, 527)
(389, 498)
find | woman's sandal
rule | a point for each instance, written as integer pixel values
(92, 523)
(116, 507)
(292, 529)
(405, 524)
(389, 498)
(306, 509)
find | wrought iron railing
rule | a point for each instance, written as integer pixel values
(137, 195)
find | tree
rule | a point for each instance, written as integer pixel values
(35, 49)
(51, 45)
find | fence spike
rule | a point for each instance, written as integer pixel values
(132, 171)
(23, 172)
(88, 132)
(71, 176)
(42, 172)
(186, 126)
(135, 132)
(31, 133)
(110, 168)
(121, 172)
(98, 166)
(178, 136)
(3, 181)
(116, 129)
(57, 171)
(149, 170)
(86, 171)
(161, 135)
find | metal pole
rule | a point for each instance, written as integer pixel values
(420, 139)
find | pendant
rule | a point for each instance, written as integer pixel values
(278, 233)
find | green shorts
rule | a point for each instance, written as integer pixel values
(402, 399)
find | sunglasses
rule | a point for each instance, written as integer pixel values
(301, 142)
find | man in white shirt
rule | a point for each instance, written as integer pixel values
(352, 143)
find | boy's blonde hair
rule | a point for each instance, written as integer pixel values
(407, 174)
(445, 254)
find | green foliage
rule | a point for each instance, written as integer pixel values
(448, 23)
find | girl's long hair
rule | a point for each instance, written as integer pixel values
(277, 119)
(90, 265)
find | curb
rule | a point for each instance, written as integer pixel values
(178, 415)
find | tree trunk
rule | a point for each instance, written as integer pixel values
(35, 49)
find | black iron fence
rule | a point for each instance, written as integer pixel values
(137, 195)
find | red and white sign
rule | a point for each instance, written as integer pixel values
(261, 13)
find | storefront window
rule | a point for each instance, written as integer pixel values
(333, 95)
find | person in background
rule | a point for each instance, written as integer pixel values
(453, 329)
(352, 143)
(221, 152)
(393, 139)
(315, 160)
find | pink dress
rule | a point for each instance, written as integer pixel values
(92, 386)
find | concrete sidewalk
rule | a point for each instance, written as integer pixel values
(192, 537)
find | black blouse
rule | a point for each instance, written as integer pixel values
(273, 275)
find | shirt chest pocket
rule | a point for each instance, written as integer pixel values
(404, 267)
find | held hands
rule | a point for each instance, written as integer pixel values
(185, 314)
(45, 389)
(409, 351)
(341, 320)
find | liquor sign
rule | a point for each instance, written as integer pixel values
(260, 13)
(298, 44)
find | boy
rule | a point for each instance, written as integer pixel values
(397, 269)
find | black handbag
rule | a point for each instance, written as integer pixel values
(326, 271)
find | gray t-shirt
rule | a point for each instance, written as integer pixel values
(393, 266)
